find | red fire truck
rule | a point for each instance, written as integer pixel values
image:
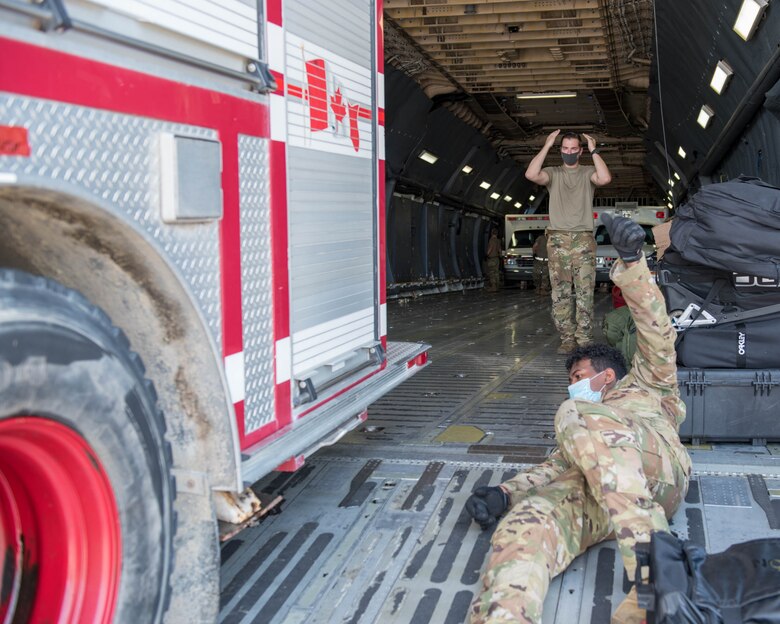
(192, 283)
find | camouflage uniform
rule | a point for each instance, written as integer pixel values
(572, 262)
(541, 270)
(492, 263)
(619, 470)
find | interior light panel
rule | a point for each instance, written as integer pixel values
(749, 15)
(544, 96)
(428, 157)
(721, 77)
(705, 114)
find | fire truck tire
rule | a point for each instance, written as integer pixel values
(86, 490)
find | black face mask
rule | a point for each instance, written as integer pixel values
(570, 159)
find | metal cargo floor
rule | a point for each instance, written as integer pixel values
(373, 529)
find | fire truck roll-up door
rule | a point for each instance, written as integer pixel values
(332, 190)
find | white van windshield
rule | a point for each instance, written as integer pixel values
(524, 238)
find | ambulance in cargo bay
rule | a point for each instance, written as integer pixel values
(210, 215)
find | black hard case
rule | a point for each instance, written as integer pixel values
(740, 405)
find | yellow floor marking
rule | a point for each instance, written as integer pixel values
(463, 434)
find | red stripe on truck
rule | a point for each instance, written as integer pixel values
(273, 11)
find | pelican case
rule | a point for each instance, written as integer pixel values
(739, 405)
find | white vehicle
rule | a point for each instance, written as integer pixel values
(520, 232)
(646, 216)
(192, 283)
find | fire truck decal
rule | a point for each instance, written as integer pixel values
(328, 100)
(321, 104)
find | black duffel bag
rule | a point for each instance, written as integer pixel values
(733, 226)
(741, 585)
(747, 343)
(683, 283)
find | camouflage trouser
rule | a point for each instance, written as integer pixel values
(492, 273)
(625, 480)
(541, 275)
(572, 260)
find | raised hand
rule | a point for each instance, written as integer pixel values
(591, 142)
(627, 236)
(550, 140)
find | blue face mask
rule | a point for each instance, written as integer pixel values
(582, 390)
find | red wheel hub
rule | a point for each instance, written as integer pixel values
(59, 526)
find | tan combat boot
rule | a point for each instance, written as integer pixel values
(628, 611)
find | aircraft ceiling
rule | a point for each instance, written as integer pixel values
(477, 58)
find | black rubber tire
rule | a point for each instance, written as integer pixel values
(66, 361)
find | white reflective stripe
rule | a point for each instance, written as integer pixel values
(283, 360)
(383, 319)
(380, 142)
(234, 371)
(380, 90)
(323, 328)
(278, 119)
(332, 341)
(275, 47)
(8, 178)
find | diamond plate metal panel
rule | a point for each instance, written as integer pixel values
(114, 158)
(257, 292)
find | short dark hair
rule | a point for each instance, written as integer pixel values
(601, 356)
(571, 135)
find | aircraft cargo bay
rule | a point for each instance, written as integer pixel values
(373, 529)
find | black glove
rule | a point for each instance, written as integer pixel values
(627, 236)
(486, 504)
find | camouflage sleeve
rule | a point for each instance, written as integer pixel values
(654, 364)
(534, 477)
